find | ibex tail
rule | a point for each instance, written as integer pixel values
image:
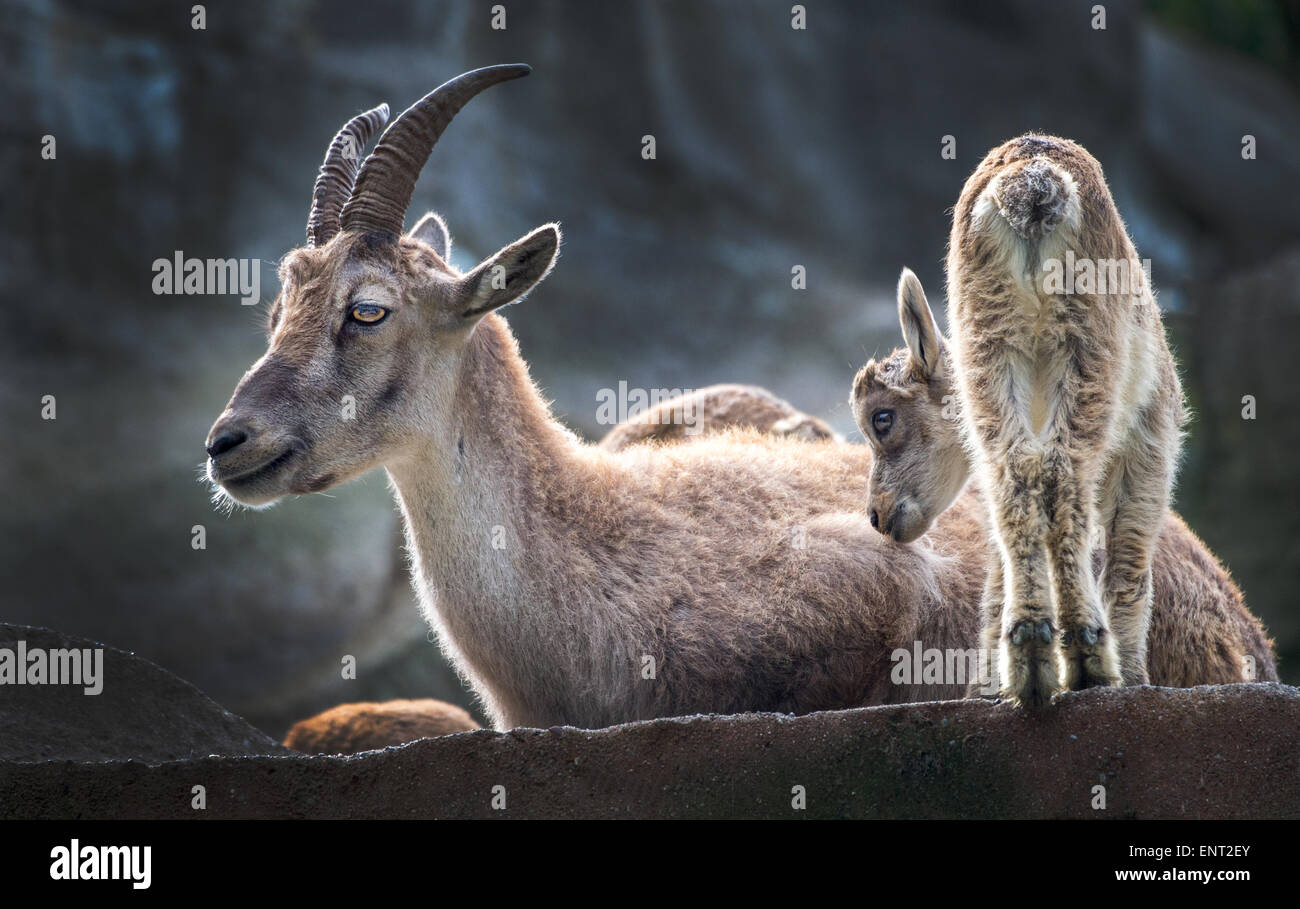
(1034, 196)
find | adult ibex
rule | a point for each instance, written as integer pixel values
(568, 584)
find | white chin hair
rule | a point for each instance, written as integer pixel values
(227, 501)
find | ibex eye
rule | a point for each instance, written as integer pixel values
(882, 421)
(368, 313)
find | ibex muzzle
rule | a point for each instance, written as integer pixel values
(253, 446)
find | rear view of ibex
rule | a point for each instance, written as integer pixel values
(1072, 409)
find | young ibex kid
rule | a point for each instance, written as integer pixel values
(1072, 410)
(905, 405)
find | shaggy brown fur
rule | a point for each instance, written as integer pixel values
(1201, 631)
(715, 407)
(366, 726)
(1072, 409)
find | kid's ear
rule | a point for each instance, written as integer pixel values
(433, 231)
(919, 330)
(511, 273)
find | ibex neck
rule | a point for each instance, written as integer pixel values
(477, 522)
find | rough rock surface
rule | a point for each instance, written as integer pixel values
(1212, 752)
(143, 712)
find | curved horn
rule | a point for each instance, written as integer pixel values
(338, 172)
(387, 181)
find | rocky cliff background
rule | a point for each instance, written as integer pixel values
(776, 147)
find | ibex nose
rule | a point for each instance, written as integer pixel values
(884, 518)
(226, 439)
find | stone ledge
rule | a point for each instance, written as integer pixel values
(1213, 752)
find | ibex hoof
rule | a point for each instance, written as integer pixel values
(1029, 629)
(1091, 659)
(1032, 670)
(1088, 636)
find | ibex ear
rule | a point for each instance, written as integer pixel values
(511, 273)
(433, 231)
(919, 329)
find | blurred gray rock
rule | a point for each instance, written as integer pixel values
(140, 712)
(1238, 480)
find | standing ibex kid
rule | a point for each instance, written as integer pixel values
(1072, 409)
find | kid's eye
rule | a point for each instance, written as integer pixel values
(367, 313)
(882, 421)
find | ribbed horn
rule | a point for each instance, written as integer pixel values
(338, 172)
(387, 181)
